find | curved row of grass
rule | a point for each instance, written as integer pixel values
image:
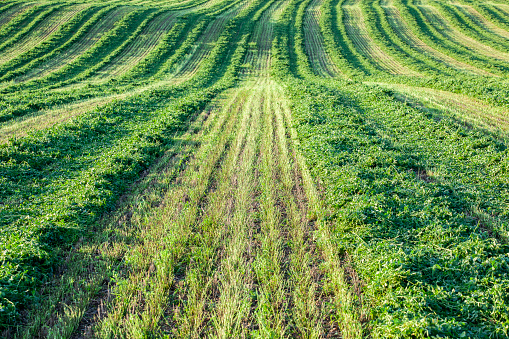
(25, 100)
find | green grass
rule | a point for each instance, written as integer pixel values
(217, 181)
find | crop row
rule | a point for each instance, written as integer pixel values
(321, 61)
(462, 20)
(81, 39)
(419, 20)
(341, 41)
(52, 43)
(393, 29)
(390, 36)
(8, 11)
(140, 46)
(16, 25)
(24, 33)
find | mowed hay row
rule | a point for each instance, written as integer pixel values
(358, 33)
(482, 21)
(408, 36)
(315, 49)
(447, 30)
(105, 24)
(503, 7)
(205, 43)
(257, 59)
(140, 47)
(16, 23)
(10, 13)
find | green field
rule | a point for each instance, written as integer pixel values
(254, 169)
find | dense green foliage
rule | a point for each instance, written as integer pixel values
(417, 196)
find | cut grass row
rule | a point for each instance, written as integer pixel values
(320, 60)
(461, 19)
(42, 32)
(45, 48)
(14, 26)
(339, 46)
(493, 13)
(82, 40)
(397, 30)
(141, 46)
(258, 56)
(9, 12)
(442, 39)
(361, 39)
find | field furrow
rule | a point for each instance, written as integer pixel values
(41, 32)
(405, 33)
(314, 44)
(79, 47)
(357, 31)
(453, 34)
